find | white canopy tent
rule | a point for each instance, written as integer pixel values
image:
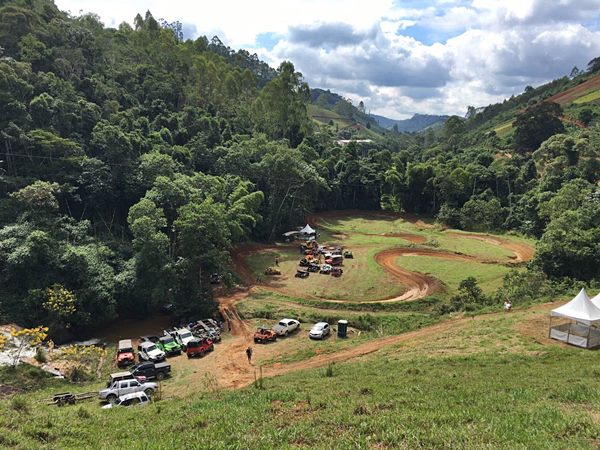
(596, 301)
(582, 325)
(307, 230)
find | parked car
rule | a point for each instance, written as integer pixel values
(149, 351)
(216, 278)
(263, 335)
(151, 371)
(125, 354)
(133, 399)
(168, 345)
(313, 267)
(206, 329)
(302, 273)
(334, 260)
(182, 336)
(199, 347)
(122, 387)
(304, 262)
(336, 271)
(325, 269)
(319, 330)
(286, 326)
(348, 254)
(118, 376)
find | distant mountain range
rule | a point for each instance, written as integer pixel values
(418, 122)
(327, 100)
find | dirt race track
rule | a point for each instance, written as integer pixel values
(418, 285)
(228, 368)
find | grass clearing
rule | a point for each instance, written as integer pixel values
(452, 272)
(590, 97)
(363, 279)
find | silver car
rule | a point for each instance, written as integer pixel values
(319, 330)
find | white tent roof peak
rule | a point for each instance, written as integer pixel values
(580, 309)
(307, 230)
(596, 301)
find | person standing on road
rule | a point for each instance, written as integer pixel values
(249, 354)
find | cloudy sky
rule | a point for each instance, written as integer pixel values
(400, 57)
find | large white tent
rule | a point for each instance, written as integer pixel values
(596, 301)
(580, 324)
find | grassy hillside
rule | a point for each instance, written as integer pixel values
(454, 386)
(573, 97)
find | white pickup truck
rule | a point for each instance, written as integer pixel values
(122, 387)
(286, 326)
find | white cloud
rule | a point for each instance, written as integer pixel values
(488, 49)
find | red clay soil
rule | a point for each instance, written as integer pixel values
(580, 90)
(240, 375)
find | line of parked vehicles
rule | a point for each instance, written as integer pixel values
(285, 327)
(136, 385)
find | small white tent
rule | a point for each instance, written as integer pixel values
(582, 325)
(307, 230)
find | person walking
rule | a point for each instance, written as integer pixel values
(277, 260)
(249, 354)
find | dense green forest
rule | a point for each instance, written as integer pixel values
(133, 160)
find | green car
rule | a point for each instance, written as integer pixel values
(168, 345)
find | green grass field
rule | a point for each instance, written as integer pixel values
(504, 129)
(452, 272)
(592, 96)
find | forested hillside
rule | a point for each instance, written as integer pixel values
(132, 161)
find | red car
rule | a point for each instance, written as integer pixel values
(199, 347)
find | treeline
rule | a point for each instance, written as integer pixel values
(132, 161)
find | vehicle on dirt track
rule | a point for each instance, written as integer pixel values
(199, 347)
(348, 254)
(151, 371)
(272, 271)
(263, 335)
(325, 269)
(133, 399)
(286, 326)
(168, 345)
(149, 351)
(313, 267)
(319, 330)
(336, 271)
(302, 273)
(122, 387)
(125, 354)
